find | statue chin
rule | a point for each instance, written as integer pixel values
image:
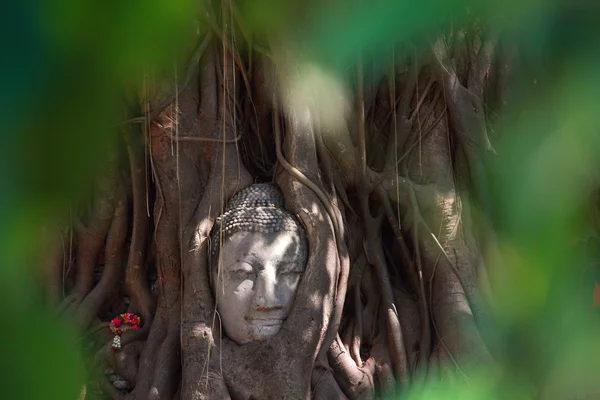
(257, 282)
(260, 330)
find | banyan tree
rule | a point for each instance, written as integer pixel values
(381, 169)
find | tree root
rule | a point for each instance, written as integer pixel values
(455, 324)
(168, 362)
(114, 256)
(92, 240)
(325, 386)
(417, 269)
(374, 249)
(135, 273)
(356, 382)
(125, 362)
(148, 358)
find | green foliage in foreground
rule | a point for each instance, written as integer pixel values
(65, 65)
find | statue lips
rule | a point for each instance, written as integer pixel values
(265, 327)
(266, 321)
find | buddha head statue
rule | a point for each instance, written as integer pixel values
(258, 253)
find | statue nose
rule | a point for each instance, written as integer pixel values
(266, 290)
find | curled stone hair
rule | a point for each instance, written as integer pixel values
(257, 208)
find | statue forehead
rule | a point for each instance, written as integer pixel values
(262, 245)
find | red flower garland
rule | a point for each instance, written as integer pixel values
(123, 323)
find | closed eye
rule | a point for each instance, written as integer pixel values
(241, 271)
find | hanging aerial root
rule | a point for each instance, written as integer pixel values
(401, 122)
(415, 271)
(373, 245)
(135, 274)
(92, 240)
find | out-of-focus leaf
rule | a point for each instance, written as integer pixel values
(65, 68)
(41, 358)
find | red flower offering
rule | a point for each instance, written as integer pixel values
(123, 323)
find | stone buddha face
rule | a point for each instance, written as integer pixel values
(258, 264)
(257, 283)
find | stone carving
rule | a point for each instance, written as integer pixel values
(258, 254)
